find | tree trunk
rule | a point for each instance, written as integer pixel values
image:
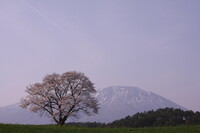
(61, 121)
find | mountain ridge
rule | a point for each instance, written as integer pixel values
(115, 102)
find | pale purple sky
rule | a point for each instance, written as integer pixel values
(151, 44)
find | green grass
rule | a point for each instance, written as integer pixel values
(8, 128)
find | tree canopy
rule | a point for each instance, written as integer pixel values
(62, 96)
(160, 117)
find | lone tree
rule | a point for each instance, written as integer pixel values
(62, 96)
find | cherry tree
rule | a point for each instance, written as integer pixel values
(62, 96)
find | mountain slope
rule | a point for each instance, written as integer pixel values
(119, 101)
(115, 102)
(16, 115)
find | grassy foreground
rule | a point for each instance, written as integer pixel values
(7, 128)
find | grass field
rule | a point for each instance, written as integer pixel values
(7, 128)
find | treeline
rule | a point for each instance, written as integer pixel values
(160, 117)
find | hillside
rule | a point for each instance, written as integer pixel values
(160, 117)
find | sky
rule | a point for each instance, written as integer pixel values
(150, 44)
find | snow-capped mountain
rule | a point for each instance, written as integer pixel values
(115, 102)
(119, 101)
